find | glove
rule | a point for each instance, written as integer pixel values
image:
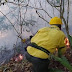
(23, 40)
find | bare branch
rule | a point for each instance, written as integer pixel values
(66, 26)
(41, 16)
(53, 11)
(47, 13)
(19, 4)
(41, 9)
(44, 10)
(40, 4)
(52, 5)
(20, 18)
(63, 6)
(25, 12)
(12, 25)
(11, 12)
(61, 14)
(68, 12)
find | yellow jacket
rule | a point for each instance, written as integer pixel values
(49, 38)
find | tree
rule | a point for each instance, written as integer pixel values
(55, 5)
(19, 15)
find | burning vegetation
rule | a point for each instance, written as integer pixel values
(18, 63)
(67, 43)
(18, 58)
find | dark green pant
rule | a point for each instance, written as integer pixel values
(39, 65)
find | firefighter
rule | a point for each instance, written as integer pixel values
(44, 43)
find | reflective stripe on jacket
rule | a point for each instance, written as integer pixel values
(49, 38)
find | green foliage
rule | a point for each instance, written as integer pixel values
(64, 62)
(59, 53)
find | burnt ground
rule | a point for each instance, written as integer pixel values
(25, 66)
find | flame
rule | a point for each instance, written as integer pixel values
(16, 59)
(56, 49)
(20, 57)
(67, 42)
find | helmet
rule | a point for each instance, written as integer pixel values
(55, 20)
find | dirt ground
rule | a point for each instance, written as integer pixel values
(25, 66)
